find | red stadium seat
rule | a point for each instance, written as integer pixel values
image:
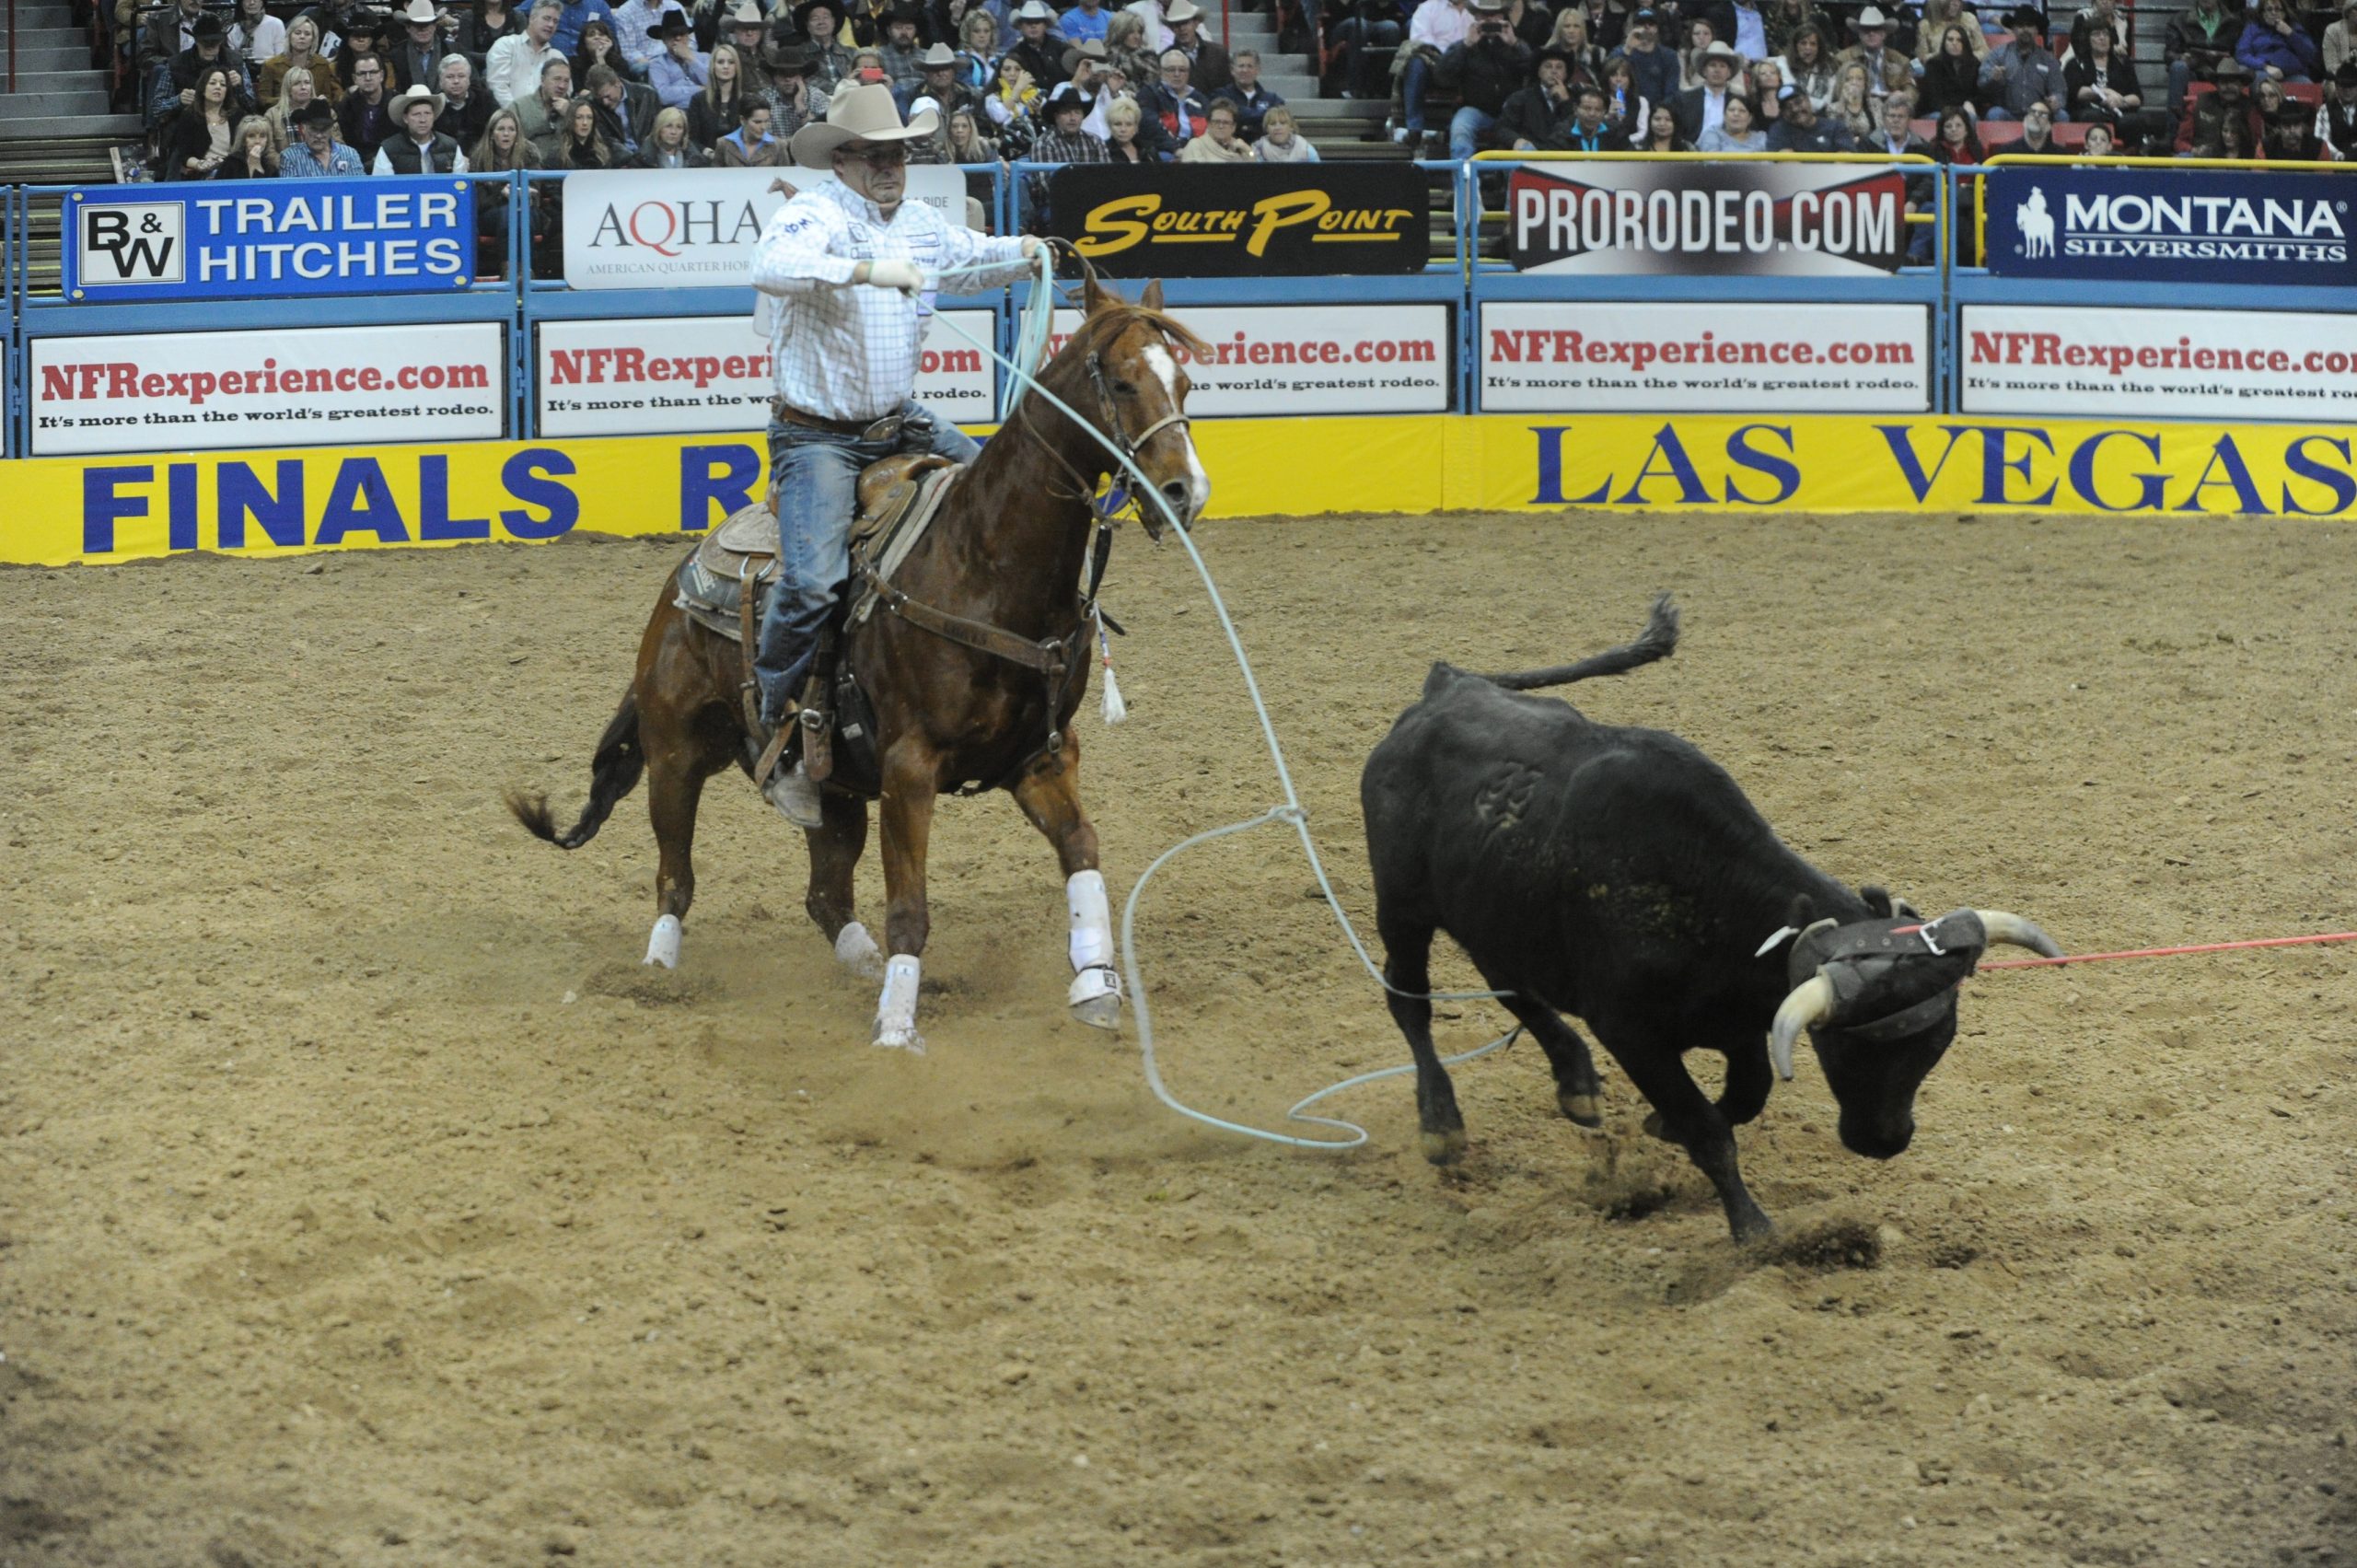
(1996, 134)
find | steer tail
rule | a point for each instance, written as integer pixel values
(613, 773)
(1658, 641)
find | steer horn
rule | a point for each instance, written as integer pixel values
(1806, 1008)
(2014, 931)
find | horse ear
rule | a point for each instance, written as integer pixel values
(1094, 296)
(1152, 297)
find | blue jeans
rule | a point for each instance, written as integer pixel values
(1414, 81)
(1465, 129)
(817, 475)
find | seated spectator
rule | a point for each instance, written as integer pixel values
(937, 79)
(1176, 104)
(1653, 69)
(751, 145)
(902, 50)
(1209, 67)
(2289, 136)
(1438, 26)
(1219, 143)
(417, 147)
(1281, 140)
(1362, 42)
(677, 72)
(1952, 78)
(1875, 52)
(977, 50)
(1482, 71)
(1251, 99)
(1931, 37)
(168, 34)
(1661, 133)
(626, 111)
(197, 138)
(1530, 21)
(1626, 110)
(638, 26)
(296, 94)
(969, 148)
(367, 108)
(363, 30)
(1801, 131)
(2337, 116)
(2199, 39)
(1039, 51)
(1783, 21)
(582, 145)
(1732, 133)
(2098, 142)
(1086, 22)
(414, 56)
(574, 19)
(668, 145)
(2273, 46)
(1742, 26)
(466, 102)
(745, 29)
(2340, 41)
(713, 112)
(489, 22)
(598, 46)
(1700, 35)
(2102, 87)
(2099, 16)
(2230, 102)
(1124, 124)
(503, 150)
(1767, 92)
(1012, 109)
(255, 37)
(1538, 118)
(933, 148)
(1699, 110)
(1064, 140)
(1570, 34)
(302, 55)
(1591, 132)
(1807, 65)
(317, 150)
(2020, 72)
(1956, 141)
(518, 63)
(543, 114)
(1853, 105)
(253, 154)
(2037, 131)
(2225, 135)
(175, 88)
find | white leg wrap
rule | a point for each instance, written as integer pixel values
(1092, 919)
(663, 947)
(857, 951)
(1095, 997)
(896, 1010)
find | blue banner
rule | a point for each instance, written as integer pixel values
(2170, 225)
(270, 240)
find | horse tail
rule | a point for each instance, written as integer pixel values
(613, 773)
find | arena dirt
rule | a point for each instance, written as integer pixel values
(363, 1201)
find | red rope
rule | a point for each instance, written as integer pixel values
(2169, 952)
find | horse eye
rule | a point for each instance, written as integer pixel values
(1126, 389)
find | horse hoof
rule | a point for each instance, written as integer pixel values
(1095, 997)
(1582, 1109)
(891, 1038)
(663, 947)
(1444, 1148)
(857, 951)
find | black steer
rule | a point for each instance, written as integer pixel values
(1619, 875)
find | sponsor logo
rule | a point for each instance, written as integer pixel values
(132, 243)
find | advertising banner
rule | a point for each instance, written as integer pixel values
(2168, 225)
(2158, 364)
(1687, 219)
(1559, 356)
(273, 500)
(1243, 220)
(695, 228)
(709, 373)
(199, 391)
(1273, 359)
(270, 240)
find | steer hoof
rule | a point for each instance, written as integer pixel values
(1657, 1127)
(1582, 1109)
(1444, 1148)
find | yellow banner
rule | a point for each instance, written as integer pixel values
(65, 510)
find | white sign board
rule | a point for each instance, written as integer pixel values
(1559, 357)
(695, 228)
(2232, 365)
(299, 386)
(709, 373)
(1310, 359)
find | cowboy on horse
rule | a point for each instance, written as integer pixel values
(845, 260)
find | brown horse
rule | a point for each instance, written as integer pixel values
(1007, 552)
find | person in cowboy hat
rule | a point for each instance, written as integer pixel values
(820, 22)
(637, 25)
(417, 147)
(2020, 72)
(416, 59)
(1037, 47)
(1699, 108)
(1208, 64)
(901, 50)
(679, 71)
(792, 97)
(746, 28)
(937, 79)
(1884, 61)
(845, 260)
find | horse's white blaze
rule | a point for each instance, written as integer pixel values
(896, 1009)
(663, 944)
(1199, 483)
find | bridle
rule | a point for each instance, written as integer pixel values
(1108, 414)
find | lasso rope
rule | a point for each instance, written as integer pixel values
(1290, 811)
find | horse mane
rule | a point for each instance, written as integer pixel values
(1099, 327)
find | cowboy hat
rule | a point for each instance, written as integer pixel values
(1094, 49)
(857, 114)
(1183, 11)
(1035, 11)
(1870, 17)
(421, 13)
(1718, 51)
(418, 92)
(207, 29)
(673, 25)
(746, 15)
(802, 13)
(940, 57)
(793, 59)
(2231, 70)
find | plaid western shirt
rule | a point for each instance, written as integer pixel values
(846, 353)
(1081, 146)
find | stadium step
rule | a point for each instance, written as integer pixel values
(48, 57)
(40, 109)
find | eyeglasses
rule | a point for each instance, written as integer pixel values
(891, 154)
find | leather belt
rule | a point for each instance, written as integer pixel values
(884, 429)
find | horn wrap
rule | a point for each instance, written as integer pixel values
(2016, 932)
(1809, 1005)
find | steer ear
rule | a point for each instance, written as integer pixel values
(1877, 900)
(1801, 913)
